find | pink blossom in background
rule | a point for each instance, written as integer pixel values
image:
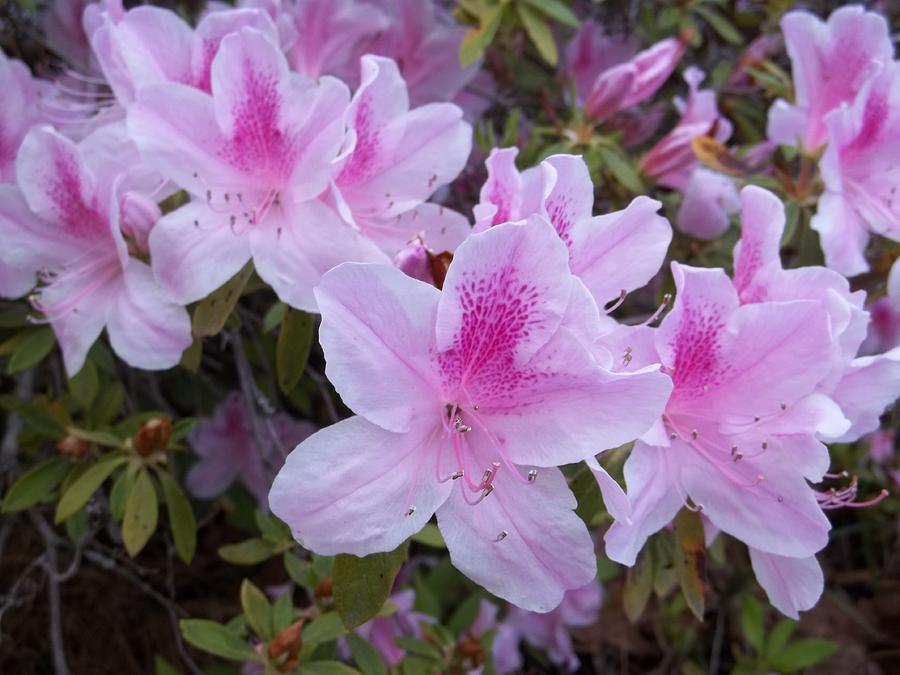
(400, 157)
(422, 39)
(19, 112)
(548, 632)
(149, 45)
(561, 190)
(710, 199)
(65, 226)
(832, 61)
(404, 622)
(467, 400)
(626, 84)
(228, 452)
(882, 446)
(861, 174)
(590, 52)
(254, 155)
(671, 160)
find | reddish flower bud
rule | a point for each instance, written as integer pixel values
(153, 436)
(74, 447)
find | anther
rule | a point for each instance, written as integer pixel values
(765, 445)
(780, 499)
(503, 535)
(673, 435)
(784, 406)
(476, 408)
(412, 510)
(695, 434)
(209, 195)
(456, 475)
(756, 418)
(532, 475)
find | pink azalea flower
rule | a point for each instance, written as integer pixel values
(671, 161)
(590, 52)
(419, 37)
(863, 387)
(255, 154)
(467, 399)
(561, 190)
(861, 174)
(549, 632)
(884, 327)
(399, 159)
(149, 45)
(624, 85)
(67, 226)
(18, 114)
(831, 63)
(882, 446)
(740, 442)
(228, 452)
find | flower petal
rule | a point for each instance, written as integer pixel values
(377, 333)
(349, 487)
(546, 551)
(870, 384)
(792, 584)
(146, 328)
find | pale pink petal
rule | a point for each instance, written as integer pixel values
(571, 199)
(292, 252)
(654, 501)
(194, 250)
(146, 328)
(760, 500)
(758, 251)
(893, 286)
(598, 246)
(59, 187)
(590, 52)
(546, 551)
(843, 235)
(610, 91)
(437, 227)
(351, 487)
(210, 32)
(792, 584)
(654, 65)
(709, 200)
(505, 650)
(149, 45)
(869, 386)
(210, 477)
(500, 199)
(786, 124)
(378, 327)
(176, 130)
(614, 497)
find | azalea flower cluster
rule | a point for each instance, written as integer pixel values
(481, 357)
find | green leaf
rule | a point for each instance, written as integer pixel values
(430, 535)
(418, 647)
(216, 639)
(327, 668)
(273, 316)
(638, 584)
(141, 514)
(248, 552)
(283, 611)
(720, 24)
(300, 571)
(213, 311)
(35, 485)
(107, 404)
(752, 622)
(104, 438)
(295, 340)
(181, 517)
(193, 355)
(85, 385)
(778, 637)
(15, 317)
(621, 168)
(258, 610)
(366, 656)
(464, 615)
(556, 10)
(118, 495)
(477, 39)
(81, 490)
(803, 654)
(163, 667)
(362, 585)
(182, 428)
(690, 559)
(587, 494)
(32, 350)
(326, 628)
(539, 33)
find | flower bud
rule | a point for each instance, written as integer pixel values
(287, 645)
(73, 447)
(324, 589)
(153, 436)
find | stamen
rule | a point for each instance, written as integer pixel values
(618, 303)
(532, 475)
(412, 510)
(667, 298)
(503, 535)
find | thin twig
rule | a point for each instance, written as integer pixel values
(9, 447)
(173, 619)
(326, 395)
(715, 656)
(51, 565)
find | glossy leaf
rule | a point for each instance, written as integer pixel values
(690, 559)
(216, 639)
(36, 484)
(213, 311)
(78, 493)
(141, 514)
(181, 517)
(362, 585)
